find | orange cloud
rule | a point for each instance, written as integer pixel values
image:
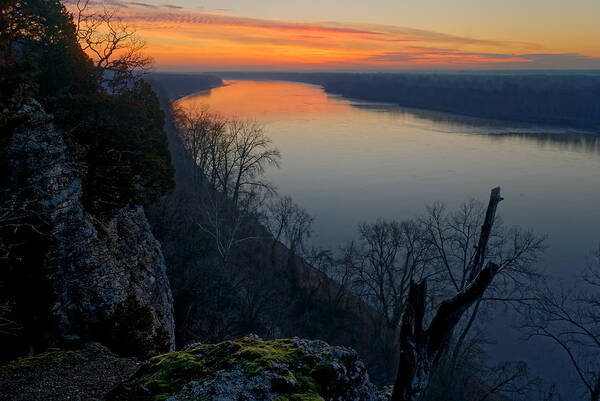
(185, 39)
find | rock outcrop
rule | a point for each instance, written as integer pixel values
(79, 375)
(252, 369)
(106, 278)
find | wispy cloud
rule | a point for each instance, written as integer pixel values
(179, 36)
(425, 55)
(418, 52)
(145, 5)
(229, 20)
(564, 60)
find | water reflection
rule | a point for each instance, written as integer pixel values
(272, 100)
(258, 99)
(573, 142)
(463, 124)
(565, 139)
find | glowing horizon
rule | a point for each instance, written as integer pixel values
(189, 40)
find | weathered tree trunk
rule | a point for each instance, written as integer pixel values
(421, 349)
(484, 236)
(414, 367)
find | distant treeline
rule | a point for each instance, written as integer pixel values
(179, 85)
(563, 98)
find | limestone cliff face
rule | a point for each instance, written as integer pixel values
(107, 278)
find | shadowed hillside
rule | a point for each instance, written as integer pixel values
(272, 292)
(178, 85)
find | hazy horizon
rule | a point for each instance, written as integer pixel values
(381, 35)
(241, 69)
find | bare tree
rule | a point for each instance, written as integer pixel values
(229, 158)
(253, 153)
(336, 278)
(229, 227)
(232, 155)
(570, 317)
(474, 381)
(546, 392)
(386, 258)
(198, 128)
(291, 225)
(115, 48)
(443, 248)
(288, 223)
(456, 243)
(298, 230)
(420, 348)
(278, 215)
(510, 379)
(257, 293)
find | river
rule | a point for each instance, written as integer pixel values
(349, 161)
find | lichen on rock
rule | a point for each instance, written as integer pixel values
(252, 369)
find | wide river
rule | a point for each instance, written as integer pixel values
(349, 161)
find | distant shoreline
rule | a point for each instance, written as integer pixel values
(552, 101)
(560, 101)
(178, 86)
(520, 127)
(205, 91)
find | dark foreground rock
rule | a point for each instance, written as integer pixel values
(99, 280)
(64, 375)
(251, 369)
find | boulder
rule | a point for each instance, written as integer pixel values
(252, 369)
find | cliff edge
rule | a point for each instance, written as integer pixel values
(90, 278)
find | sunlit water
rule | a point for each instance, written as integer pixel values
(347, 162)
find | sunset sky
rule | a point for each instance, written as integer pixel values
(372, 35)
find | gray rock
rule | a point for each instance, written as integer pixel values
(252, 369)
(103, 273)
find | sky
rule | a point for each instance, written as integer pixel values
(368, 35)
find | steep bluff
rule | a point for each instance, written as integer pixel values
(95, 279)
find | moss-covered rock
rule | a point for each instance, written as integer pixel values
(252, 369)
(40, 361)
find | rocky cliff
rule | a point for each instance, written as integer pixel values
(104, 279)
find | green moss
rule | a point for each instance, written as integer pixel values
(299, 397)
(166, 374)
(41, 361)
(259, 355)
(307, 384)
(172, 372)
